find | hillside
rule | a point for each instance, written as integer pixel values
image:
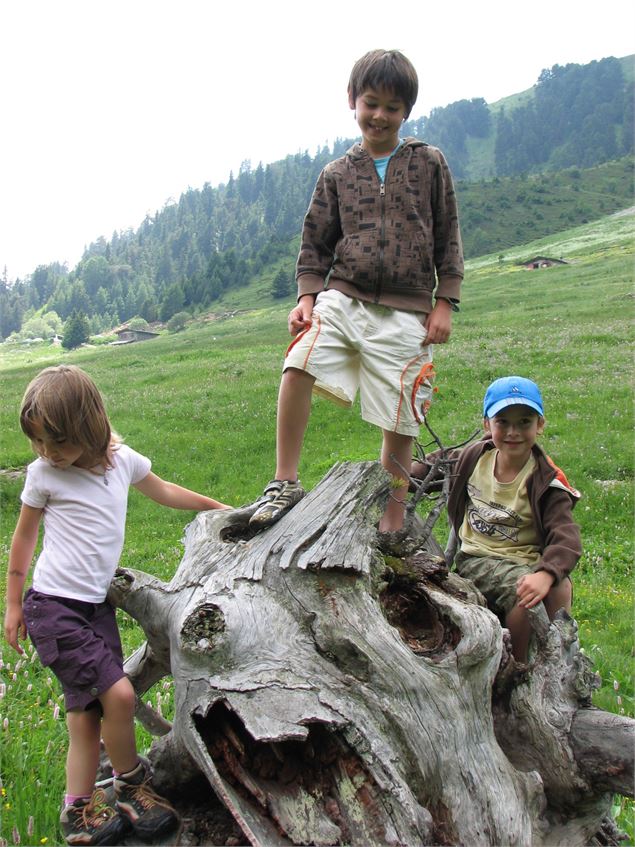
(501, 212)
(201, 404)
(530, 174)
(575, 115)
(178, 397)
(481, 151)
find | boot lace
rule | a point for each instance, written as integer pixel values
(146, 797)
(97, 810)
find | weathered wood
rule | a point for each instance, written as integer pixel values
(334, 694)
(604, 748)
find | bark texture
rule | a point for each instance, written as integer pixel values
(334, 689)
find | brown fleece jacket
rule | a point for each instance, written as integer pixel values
(386, 243)
(551, 499)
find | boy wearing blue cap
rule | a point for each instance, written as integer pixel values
(511, 509)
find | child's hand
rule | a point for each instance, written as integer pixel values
(300, 317)
(534, 587)
(14, 626)
(439, 323)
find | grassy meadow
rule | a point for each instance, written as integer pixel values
(201, 404)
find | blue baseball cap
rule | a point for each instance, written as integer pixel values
(511, 391)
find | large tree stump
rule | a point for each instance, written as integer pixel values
(330, 693)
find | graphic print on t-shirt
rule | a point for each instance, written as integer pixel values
(491, 519)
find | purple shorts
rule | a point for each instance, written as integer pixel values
(79, 642)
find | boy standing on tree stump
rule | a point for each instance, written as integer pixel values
(379, 273)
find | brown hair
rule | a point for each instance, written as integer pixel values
(68, 405)
(387, 69)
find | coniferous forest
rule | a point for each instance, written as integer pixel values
(554, 157)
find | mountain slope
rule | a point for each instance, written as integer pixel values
(189, 254)
(575, 115)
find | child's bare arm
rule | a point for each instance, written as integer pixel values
(174, 496)
(534, 587)
(22, 549)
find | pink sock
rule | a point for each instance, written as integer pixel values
(69, 799)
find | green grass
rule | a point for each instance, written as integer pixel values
(201, 404)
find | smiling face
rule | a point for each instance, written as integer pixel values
(57, 451)
(514, 431)
(379, 114)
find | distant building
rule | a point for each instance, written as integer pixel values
(128, 336)
(539, 262)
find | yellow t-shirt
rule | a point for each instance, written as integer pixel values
(498, 520)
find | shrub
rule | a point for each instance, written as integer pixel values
(137, 323)
(177, 322)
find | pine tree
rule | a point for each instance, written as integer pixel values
(76, 331)
(281, 285)
(173, 301)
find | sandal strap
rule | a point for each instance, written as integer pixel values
(275, 485)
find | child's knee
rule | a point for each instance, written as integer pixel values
(396, 450)
(120, 697)
(419, 470)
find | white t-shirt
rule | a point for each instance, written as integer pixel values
(84, 523)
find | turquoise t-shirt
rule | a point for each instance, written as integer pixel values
(382, 164)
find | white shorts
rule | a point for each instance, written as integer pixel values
(352, 344)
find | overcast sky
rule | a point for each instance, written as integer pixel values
(111, 109)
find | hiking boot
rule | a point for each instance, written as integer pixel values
(137, 802)
(92, 821)
(279, 496)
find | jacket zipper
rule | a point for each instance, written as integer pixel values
(382, 235)
(382, 228)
